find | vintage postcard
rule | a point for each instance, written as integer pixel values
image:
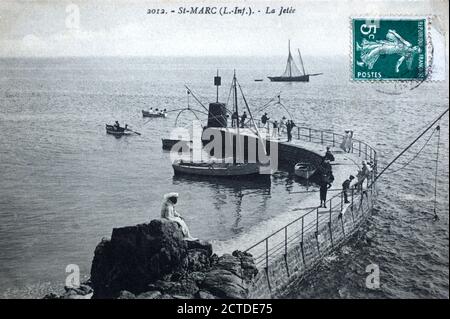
(208, 149)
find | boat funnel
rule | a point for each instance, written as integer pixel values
(217, 115)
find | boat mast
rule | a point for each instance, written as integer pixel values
(289, 59)
(236, 109)
(235, 99)
(258, 133)
(301, 62)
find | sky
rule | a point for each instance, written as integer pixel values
(53, 28)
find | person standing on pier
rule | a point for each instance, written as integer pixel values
(347, 142)
(346, 187)
(243, 118)
(234, 118)
(265, 121)
(328, 155)
(282, 125)
(289, 126)
(324, 184)
(275, 129)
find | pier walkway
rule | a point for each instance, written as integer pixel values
(288, 251)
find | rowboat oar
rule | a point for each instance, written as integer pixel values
(137, 133)
(314, 74)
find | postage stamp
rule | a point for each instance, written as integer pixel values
(389, 49)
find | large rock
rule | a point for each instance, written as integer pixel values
(230, 276)
(153, 261)
(137, 256)
(224, 284)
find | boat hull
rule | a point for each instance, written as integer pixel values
(111, 129)
(304, 170)
(168, 144)
(217, 169)
(149, 114)
(302, 78)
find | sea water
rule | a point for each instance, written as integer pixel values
(64, 183)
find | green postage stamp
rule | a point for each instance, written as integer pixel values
(389, 49)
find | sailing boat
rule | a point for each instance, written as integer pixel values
(219, 167)
(292, 73)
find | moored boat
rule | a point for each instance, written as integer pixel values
(216, 168)
(153, 114)
(168, 143)
(234, 166)
(304, 170)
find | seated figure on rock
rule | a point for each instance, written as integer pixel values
(168, 212)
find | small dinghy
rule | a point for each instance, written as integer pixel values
(168, 143)
(153, 114)
(216, 168)
(304, 170)
(117, 131)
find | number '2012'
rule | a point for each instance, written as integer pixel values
(156, 11)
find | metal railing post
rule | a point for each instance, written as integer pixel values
(317, 221)
(286, 252)
(310, 135)
(329, 222)
(298, 132)
(301, 242)
(351, 210)
(359, 154)
(321, 137)
(267, 253)
(331, 207)
(285, 240)
(334, 140)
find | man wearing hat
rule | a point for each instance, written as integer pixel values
(168, 212)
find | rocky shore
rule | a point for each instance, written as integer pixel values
(153, 261)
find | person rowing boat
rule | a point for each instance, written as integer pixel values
(117, 130)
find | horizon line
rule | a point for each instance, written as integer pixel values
(162, 56)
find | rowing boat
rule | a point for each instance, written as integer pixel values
(116, 131)
(153, 114)
(216, 168)
(304, 170)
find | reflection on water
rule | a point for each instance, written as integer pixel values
(237, 189)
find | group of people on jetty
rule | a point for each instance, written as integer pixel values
(326, 176)
(278, 127)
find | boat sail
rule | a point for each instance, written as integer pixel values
(292, 72)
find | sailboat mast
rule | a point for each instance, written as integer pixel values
(289, 58)
(301, 62)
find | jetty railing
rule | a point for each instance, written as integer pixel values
(312, 222)
(318, 225)
(326, 137)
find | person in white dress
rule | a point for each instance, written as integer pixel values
(347, 141)
(168, 212)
